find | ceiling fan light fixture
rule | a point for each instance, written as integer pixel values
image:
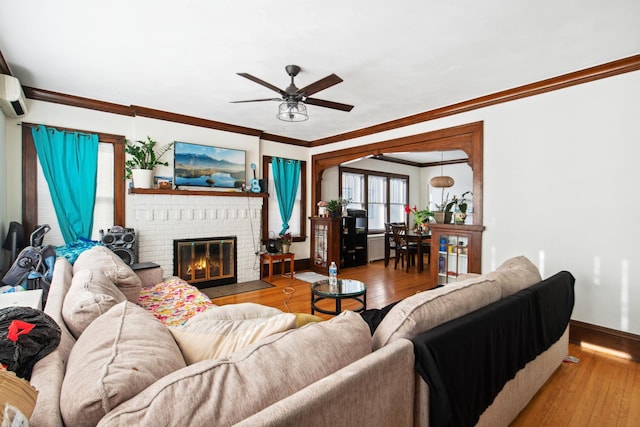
(292, 112)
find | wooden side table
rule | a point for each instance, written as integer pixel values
(280, 257)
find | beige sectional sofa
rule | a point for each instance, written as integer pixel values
(121, 366)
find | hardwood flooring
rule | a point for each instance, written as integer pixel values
(599, 390)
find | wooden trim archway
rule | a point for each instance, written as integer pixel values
(468, 138)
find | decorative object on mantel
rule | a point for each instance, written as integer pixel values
(144, 158)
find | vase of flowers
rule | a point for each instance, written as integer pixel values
(285, 242)
(421, 216)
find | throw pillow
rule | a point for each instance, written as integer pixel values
(174, 301)
(225, 391)
(114, 267)
(120, 354)
(214, 338)
(90, 295)
(514, 275)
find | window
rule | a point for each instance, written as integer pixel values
(377, 201)
(110, 176)
(398, 190)
(353, 190)
(271, 221)
(383, 195)
(103, 210)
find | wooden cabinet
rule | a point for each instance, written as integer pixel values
(455, 250)
(354, 241)
(325, 243)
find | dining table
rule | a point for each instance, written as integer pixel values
(423, 240)
(420, 238)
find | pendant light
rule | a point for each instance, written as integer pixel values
(442, 181)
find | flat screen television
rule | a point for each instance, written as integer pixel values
(196, 165)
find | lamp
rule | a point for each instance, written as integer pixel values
(292, 111)
(442, 181)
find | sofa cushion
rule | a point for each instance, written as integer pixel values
(91, 294)
(114, 267)
(245, 310)
(120, 354)
(514, 275)
(423, 311)
(249, 310)
(214, 338)
(223, 392)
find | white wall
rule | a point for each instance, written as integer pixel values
(559, 183)
(137, 128)
(560, 171)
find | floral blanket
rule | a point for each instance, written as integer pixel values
(174, 301)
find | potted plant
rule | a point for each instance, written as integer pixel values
(461, 204)
(285, 242)
(421, 216)
(443, 211)
(143, 158)
(334, 207)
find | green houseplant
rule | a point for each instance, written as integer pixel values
(335, 207)
(144, 156)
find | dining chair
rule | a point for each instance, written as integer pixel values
(389, 243)
(404, 250)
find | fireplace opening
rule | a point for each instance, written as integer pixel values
(206, 262)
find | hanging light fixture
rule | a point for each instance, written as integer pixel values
(442, 181)
(292, 111)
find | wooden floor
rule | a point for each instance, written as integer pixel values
(600, 390)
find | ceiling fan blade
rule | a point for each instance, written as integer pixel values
(262, 82)
(321, 84)
(328, 104)
(256, 100)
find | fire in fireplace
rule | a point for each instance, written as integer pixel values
(206, 262)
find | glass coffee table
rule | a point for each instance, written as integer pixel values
(344, 289)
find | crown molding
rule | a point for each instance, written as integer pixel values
(602, 71)
(609, 69)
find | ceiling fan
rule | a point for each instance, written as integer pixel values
(292, 107)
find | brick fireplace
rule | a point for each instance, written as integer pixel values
(159, 219)
(205, 262)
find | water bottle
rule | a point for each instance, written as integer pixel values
(333, 275)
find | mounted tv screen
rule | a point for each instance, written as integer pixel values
(206, 166)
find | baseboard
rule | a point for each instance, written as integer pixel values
(605, 337)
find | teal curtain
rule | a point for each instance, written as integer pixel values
(69, 161)
(286, 174)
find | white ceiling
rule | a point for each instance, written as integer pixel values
(396, 59)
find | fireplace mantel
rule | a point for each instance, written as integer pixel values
(197, 192)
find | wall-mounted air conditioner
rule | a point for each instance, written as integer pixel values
(12, 99)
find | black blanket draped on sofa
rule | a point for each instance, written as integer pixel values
(467, 361)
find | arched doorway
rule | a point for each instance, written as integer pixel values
(468, 138)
